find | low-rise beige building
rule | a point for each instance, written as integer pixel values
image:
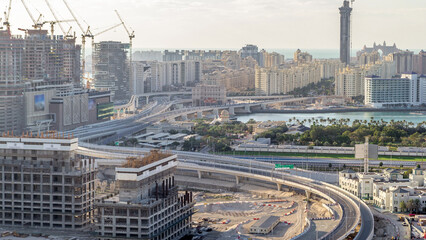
(206, 95)
(387, 190)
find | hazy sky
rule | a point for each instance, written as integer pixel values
(233, 23)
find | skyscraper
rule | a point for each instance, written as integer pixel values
(111, 68)
(345, 33)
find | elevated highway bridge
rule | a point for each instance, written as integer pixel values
(354, 210)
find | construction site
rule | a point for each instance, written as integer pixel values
(225, 210)
(50, 56)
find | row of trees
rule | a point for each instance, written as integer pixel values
(218, 137)
(342, 133)
(324, 87)
(410, 206)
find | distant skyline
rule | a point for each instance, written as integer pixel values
(279, 24)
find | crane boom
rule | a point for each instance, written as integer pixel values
(29, 13)
(122, 22)
(56, 18)
(73, 15)
(106, 30)
(131, 36)
(6, 17)
(8, 11)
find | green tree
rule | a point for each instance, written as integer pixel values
(402, 206)
(410, 205)
(406, 174)
(417, 205)
(251, 121)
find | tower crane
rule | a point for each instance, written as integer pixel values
(52, 23)
(37, 23)
(102, 32)
(6, 17)
(84, 34)
(131, 36)
(52, 26)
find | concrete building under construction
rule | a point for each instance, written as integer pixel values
(148, 205)
(11, 86)
(35, 57)
(111, 68)
(53, 59)
(45, 183)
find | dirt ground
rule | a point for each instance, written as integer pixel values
(230, 215)
(383, 229)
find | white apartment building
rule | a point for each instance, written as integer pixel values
(359, 184)
(409, 90)
(176, 73)
(141, 75)
(350, 82)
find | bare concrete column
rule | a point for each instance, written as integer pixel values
(199, 115)
(279, 186)
(308, 194)
(232, 111)
(216, 112)
(247, 108)
(136, 103)
(199, 174)
(237, 179)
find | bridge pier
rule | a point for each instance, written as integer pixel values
(263, 106)
(136, 104)
(232, 111)
(247, 108)
(216, 112)
(279, 186)
(199, 174)
(147, 99)
(199, 115)
(237, 179)
(308, 194)
(184, 117)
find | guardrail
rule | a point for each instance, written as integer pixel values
(370, 236)
(358, 215)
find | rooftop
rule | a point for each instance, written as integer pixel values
(153, 156)
(42, 135)
(348, 171)
(266, 221)
(400, 190)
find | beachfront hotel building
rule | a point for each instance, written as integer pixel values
(408, 90)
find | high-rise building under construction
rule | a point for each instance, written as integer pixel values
(111, 69)
(35, 57)
(11, 86)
